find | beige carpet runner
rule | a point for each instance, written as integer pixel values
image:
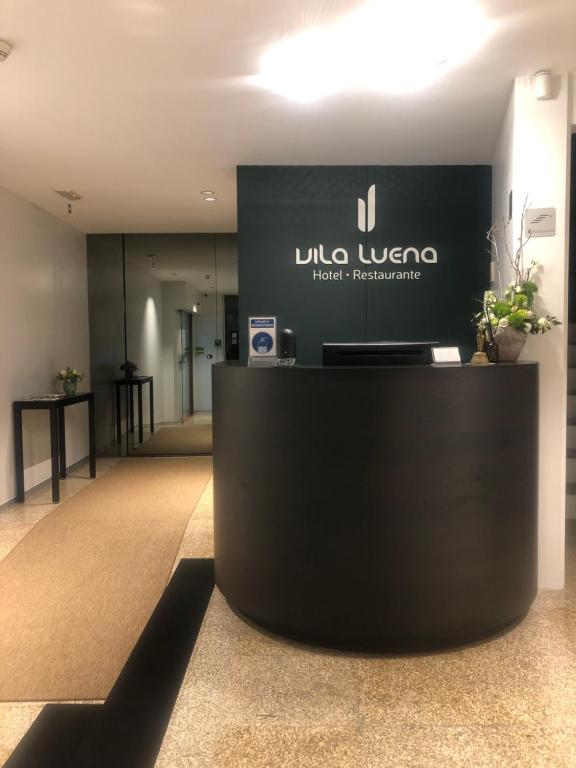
(178, 441)
(77, 591)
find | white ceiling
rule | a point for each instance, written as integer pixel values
(140, 104)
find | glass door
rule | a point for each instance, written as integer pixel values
(186, 364)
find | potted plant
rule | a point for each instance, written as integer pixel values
(129, 369)
(509, 317)
(69, 378)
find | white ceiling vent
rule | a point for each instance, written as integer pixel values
(5, 50)
(68, 194)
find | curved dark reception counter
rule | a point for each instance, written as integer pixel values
(377, 508)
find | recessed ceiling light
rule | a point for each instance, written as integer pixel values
(385, 45)
(68, 194)
(208, 192)
(210, 199)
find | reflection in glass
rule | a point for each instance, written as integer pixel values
(180, 292)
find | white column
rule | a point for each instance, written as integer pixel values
(540, 173)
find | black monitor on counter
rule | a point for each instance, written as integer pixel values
(378, 353)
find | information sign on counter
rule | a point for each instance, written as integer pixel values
(446, 356)
(262, 341)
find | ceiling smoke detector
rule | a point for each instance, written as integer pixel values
(5, 50)
(68, 194)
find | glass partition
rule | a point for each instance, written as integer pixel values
(181, 317)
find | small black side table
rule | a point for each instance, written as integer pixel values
(56, 407)
(131, 382)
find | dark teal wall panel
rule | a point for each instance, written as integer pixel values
(444, 208)
(284, 208)
(448, 208)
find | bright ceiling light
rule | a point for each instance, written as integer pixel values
(210, 199)
(303, 68)
(392, 46)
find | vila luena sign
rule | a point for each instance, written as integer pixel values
(364, 253)
(318, 255)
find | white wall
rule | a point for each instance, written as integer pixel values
(502, 183)
(43, 327)
(532, 157)
(144, 332)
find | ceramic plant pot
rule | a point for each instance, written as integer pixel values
(510, 343)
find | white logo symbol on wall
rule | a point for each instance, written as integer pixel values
(373, 255)
(367, 211)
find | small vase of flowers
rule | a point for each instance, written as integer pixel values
(69, 378)
(509, 317)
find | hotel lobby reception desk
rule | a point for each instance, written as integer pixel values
(377, 508)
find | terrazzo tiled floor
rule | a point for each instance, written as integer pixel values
(252, 699)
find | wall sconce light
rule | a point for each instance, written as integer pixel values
(543, 85)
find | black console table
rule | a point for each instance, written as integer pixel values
(130, 383)
(377, 508)
(56, 407)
